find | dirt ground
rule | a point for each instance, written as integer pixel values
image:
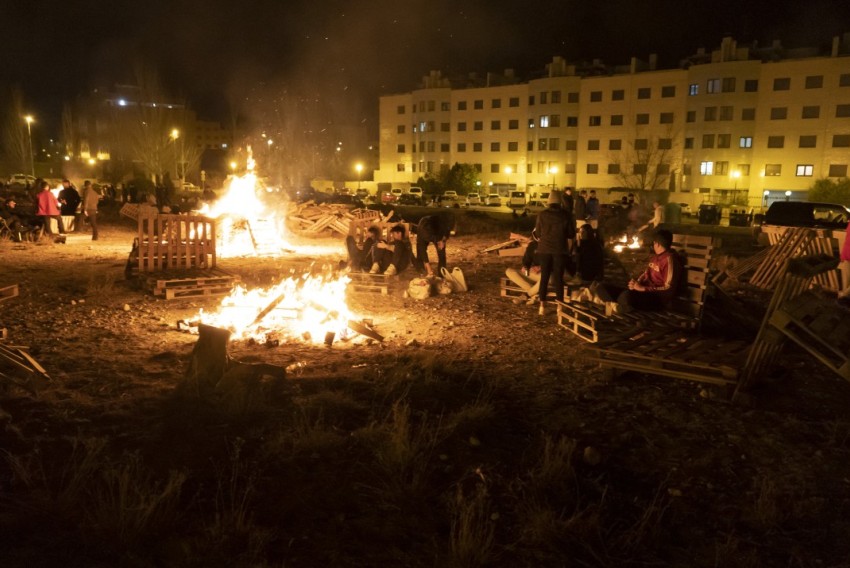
(476, 434)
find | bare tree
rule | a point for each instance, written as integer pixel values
(70, 135)
(16, 147)
(647, 163)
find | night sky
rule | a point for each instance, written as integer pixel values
(206, 50)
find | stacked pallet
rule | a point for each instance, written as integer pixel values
(190, 283)
(313, 220)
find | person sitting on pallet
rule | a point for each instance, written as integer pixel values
(360, 256)
(392, 257)
(655, 289)
(15, 221)
(590, 257)
(529, 277)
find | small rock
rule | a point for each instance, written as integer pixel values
(412, 343)
(73, 302)
(126, 307)
(591, 456)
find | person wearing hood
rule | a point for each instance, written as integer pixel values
(555, 232)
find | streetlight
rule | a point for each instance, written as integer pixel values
(735, 175)
(29, 120)
(788, 195)
(359, 168)
(764, 200)
(553, 170)
(175, 134)
(508, 171)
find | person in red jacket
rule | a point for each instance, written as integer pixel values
(655, 289)
(48, 207)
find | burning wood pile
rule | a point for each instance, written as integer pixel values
(624, 243)
(312, 220)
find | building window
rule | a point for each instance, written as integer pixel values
(686, 169)
(513, 124)
(775, 141)
(495, 147)
(641, 144)
(478, 125)
(712, 86)
(556, 99)
(842, 111)
(432, 106)
(745, 142)
(781, 84)
(495, 125)
(544, 98)
(529, 146)
(477, 147)
(400, 129)
(644, 93)
(421, 146)
(726, 112)
(668, 91)
(399, 167)
(572, 97)
(593, 144)
(706, 168)
(693, 89)
(710, 114)
(841, 141)
(639, 169)
(544, 121)
(615, 144)
(478, 104)
(444, 127)
(844, 80)
(805, 170)
(531, 123)
(554, 144)
(616, 120)
(496, 103)
(837, 170)
(744, 169)
(461, 127)
(721, 168)
(432, 146)
(513, 102)
(593, 168)
(728, 85)
(691, 116)
(543, 144)
(569, 168)
(595, 121)
(444, 147)
(400, 109)
(445, 106)
(618, 95)
(665, 143)
(808, 141)
(530, 100)
(814, 82)
(595, 96)
(494, 168)
(555, 120)
(751, 85)
(461, 147)
(811, 112)
(613, 169)
(513, 146)
(642, 118)
(689, 143)
(748, 114)
(708, 140)
(666, 118)
(461, 105)
(662, 169)
(571, 145)
(572, 121)
(400, 148)
(778, 113)
(773, 170)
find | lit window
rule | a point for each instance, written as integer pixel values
(706, 168)
(544, 121)
(805, 170)
(712, 86)
(693, 89)
(745, 142)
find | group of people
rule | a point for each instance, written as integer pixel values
(67, 210)
(394, 254)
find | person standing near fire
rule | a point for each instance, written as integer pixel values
(433, 229)
(69, 200)
(91, 197)
(555, 230)
(47, 207)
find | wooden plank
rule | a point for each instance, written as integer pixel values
(8, 292)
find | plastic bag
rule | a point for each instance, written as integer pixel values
(419, 288)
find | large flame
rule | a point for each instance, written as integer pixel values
(310, 308)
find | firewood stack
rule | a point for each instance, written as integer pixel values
(314, 220)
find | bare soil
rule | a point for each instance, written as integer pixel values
(476, 434)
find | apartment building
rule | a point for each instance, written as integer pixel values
(741, 125)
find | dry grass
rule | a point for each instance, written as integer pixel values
(473, 529)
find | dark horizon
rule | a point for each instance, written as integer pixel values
(209, 52)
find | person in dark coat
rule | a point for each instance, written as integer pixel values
(433, 229)
(555, 231)
(591, 256)
(69, 200)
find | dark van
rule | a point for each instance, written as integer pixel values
(807, 214)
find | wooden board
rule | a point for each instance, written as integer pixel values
(8, 292)
(365, 282)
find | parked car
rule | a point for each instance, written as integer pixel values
(361, 194)
(686, 209)
(396, 192)
(450, 193)
(473, 198)
(20, 180)
(807, 214)
(516, 200)
(534, 207)
(416, 192)
(409, 199)
(449, 201)
(388, 197)
(190, 186)
(494, 200)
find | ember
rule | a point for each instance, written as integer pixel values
(623, 243)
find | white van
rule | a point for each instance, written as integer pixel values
(516, 200)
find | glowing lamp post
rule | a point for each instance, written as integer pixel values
(764, 200)
(508, 171)
(735, 176)
(788, 195)
(175, 134)
(553, 170)
(359, 169)
(29, 120)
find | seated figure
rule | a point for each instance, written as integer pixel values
(528, 278)
(590, 256)
(657, 286)
(360, 257)
(394, 256)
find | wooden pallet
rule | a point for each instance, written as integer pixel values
(792, 243)
(823, 241)
(8, 292)
(167, 242)
(187, 284)
(20, 369)
(365, 282)
(509, 289)
(813, 323)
